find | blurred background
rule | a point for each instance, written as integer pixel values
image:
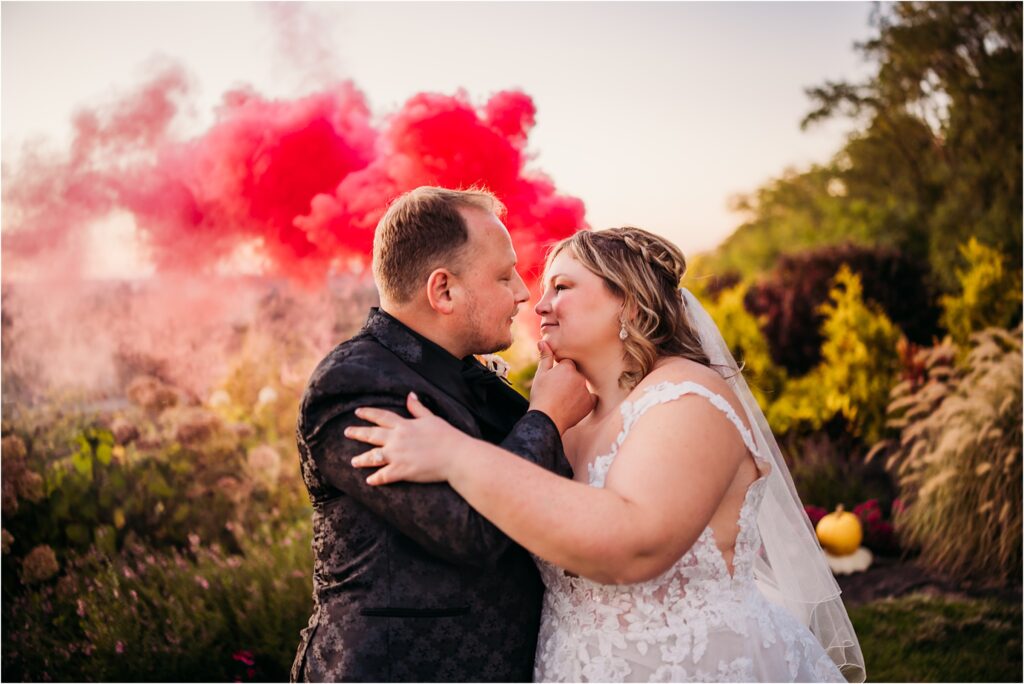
(189, 193)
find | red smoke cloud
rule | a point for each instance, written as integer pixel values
(303, 180)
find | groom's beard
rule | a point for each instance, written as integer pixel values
(480, 340)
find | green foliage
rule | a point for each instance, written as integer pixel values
(921, 638)
(990, 294)
(958, 458)
(156, 615)
(859, 366)
(935, 158)
(105, 501)
(100, 492)
(747, 343)
(944, 113)
(795, 212)
(158, 475)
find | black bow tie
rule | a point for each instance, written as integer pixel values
(479, 379)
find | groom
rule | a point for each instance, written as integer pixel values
(409, 582)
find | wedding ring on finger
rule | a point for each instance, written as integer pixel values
(377, 456)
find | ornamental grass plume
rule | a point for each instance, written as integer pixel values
(958, 458)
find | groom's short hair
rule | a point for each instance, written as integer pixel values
(423, 230)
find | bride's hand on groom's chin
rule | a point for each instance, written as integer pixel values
(559, 390)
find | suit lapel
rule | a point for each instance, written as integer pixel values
(503, 406)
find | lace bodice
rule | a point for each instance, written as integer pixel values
(695, 621)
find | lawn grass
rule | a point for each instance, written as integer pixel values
(922, 638)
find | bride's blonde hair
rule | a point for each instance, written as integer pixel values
(645, 271)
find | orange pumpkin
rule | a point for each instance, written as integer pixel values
(840, 533)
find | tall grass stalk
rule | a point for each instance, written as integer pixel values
(958, 459)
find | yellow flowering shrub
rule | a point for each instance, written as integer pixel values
(859, 366)
(990, 294)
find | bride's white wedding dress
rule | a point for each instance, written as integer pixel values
(694, 622)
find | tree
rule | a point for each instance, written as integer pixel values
(943, 135)
(935, 159)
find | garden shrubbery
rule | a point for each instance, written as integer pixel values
(153, 539)
(859, 363)
(789, 300)
(922, 441)
(165, 614)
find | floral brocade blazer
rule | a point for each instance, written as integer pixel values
(409, 582)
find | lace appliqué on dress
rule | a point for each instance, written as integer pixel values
(694, 622)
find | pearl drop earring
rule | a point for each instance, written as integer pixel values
(622, 332)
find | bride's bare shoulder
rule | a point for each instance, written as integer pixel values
(676, 369)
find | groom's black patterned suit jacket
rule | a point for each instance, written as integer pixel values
(409, 582)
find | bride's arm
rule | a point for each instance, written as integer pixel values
(667, 481)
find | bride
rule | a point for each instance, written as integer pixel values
(679, 551)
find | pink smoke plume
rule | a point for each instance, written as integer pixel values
(302, 182)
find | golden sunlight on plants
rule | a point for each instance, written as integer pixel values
(957, 461)
(156, 526)
(859, 363)
(990, 293)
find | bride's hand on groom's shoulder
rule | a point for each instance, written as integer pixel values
(559, 390)
(417, 449)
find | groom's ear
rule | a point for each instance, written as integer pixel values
(440, 284)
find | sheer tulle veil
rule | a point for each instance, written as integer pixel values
(791, 570)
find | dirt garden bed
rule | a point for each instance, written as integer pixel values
(892, 577)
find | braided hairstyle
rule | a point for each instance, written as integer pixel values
(644, 270)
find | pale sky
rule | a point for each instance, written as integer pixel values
(654, 114)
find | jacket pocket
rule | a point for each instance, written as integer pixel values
(414, 612)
